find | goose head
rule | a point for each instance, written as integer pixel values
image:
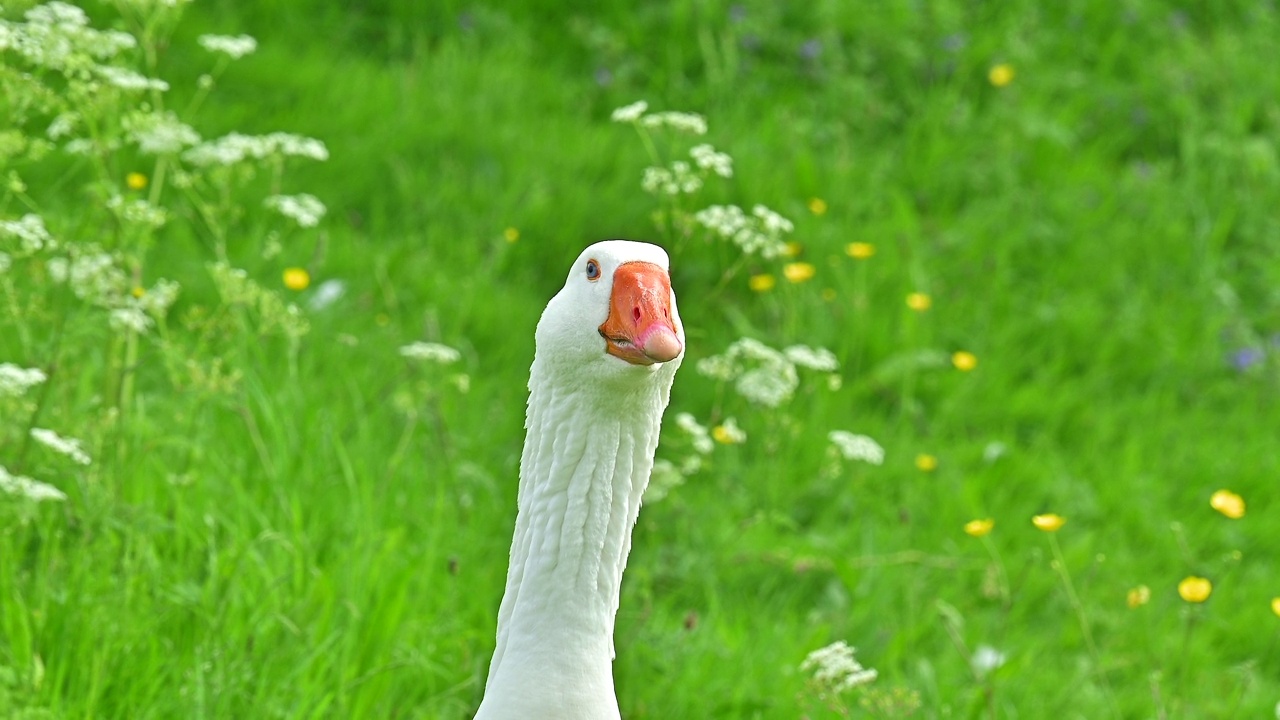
(615, 319)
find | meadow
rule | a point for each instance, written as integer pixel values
(266, 325)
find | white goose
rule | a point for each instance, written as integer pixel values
(607, 349)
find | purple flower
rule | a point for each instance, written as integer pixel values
(1245, 358)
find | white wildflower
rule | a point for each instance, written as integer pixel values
(835, 669)
(5, 262)
(92, 274)
(812, 358)
(57, 13)
(234, 46)
(707, 158)
(680, 121)
(769, 386)
(159, 133)
(129, 318)
(431, 352)
(26, 487)
(994, 450)
(774, 224)
(235, 147)
(629, 113)
(986, 659)
(137, 212)
(697, 433)
(856, 447)
(729, 433)
(126, 79)
(78, 146)
(303, 208)
(62, 125)
(326, 294)
(159, 298)
(659, 181)
(29, 231)
(763, 374)
(761, 232)
(718, 367)
(14, 380)
(64, 445)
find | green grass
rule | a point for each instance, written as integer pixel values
(330, 540)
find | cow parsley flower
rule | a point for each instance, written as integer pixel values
(235, 47)
(697, 433)
(304, 209)
(430, 352)
(680, 121)
(836, 670)
(761, 232)
(820, 359)
(62, 125)
(15, 380)
(137, 212)
(29, 231)
(159, 133)
(126, 79)
(708, 158)
(130, 318)
(33, 490)
(66, 446)
(235, 148)
(856, 447)
(629, 113)
(986, 659)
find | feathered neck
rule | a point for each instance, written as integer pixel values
(587, 457)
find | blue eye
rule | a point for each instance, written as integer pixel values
(593, 270)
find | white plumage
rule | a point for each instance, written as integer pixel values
(607, 349)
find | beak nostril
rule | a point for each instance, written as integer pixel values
(635, 314)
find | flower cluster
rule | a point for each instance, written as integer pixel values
(62, 445)
(304, 209)
(25, 487)
(760, 232)
(234, 47)
(836, 670)
(236, 148)
(856, 447)
(430, 352)
(15, 381)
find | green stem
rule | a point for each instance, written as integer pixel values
(1060, 565)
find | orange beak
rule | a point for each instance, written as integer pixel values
(640, 328)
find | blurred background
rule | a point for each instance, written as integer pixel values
(1040, 242)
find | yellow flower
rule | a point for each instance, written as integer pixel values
(926, 463)
(1049, 522)
(296, 278)
(798, 272)
(919, 302)
(1001, 74)
(1195, 589)
(1228, 503)
(762, 283)
(860, 250)
(728, 434)
(964, 361)
(791, 249)
(978, 528)
(1140, 595)
(1275, 605)
(511, 234)
(818, 206)
(135, 180)
(138, 291)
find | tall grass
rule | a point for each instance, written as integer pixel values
(285, 517)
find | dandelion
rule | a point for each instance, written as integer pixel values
(791, 249)
(835, 669)
(63, 445)
(304, 209)
(860, 250)
(1228, 503)
(33, 490)
(1049, 522)
(15, 381)
(1275, 605)
(135, 181)
(964, 361)
(728, 433)
(629, 113)
(1195, 589)
(511, 234)
(798, 272)
(856, 447)
(1000, 75)
(919, 301)
(978, 528)
(234, 47)
(817, 206)
(430, 352)
(762, 283)
(1138, 596)
(926, 462)
(296, 278)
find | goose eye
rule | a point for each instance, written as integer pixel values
(593, 270)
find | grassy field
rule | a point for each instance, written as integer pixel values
(284, 517)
